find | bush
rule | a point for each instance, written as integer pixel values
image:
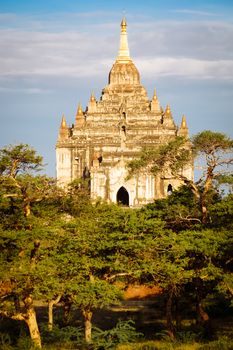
(223, 343)
(62, 335)
(123, 332)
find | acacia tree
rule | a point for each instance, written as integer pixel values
(23, 234)
(17, 273)
(212, 149)
(20, 187)
(102, 246)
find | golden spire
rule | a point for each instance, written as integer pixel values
(183, 130)
(79, 120)
(92, 98)
(155, 95)
(92, 104)
(123, 54)
(168, 111)
(183, 122)
(155, 106)
(63, 132)
(79, 110)
(63, 122)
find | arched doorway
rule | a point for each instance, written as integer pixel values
(122, 196)
(169, 189)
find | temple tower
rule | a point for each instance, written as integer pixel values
(112, 131)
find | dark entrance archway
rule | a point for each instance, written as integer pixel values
(169, 189)
(122, 196)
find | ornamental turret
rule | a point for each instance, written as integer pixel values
(79, 119)
(155, 106)
(92, 104)
(64, 130)
(183, 129)
(168, 118)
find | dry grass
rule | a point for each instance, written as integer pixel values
(158, 345)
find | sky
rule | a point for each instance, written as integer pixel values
(54, 53)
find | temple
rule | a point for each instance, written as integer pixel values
(112, 131)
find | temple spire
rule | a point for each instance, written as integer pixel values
(64, 130)
(183, 130)
(123, 54)
(63, 122)
(92, 104)
(79, 110)
(79, 119)
(155, 106)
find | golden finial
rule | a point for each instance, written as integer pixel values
(155, 95)
(183, 130)
(123, 25)
(63, 131)
(63, 122)
(92, 98)
(168, 110)
(184, 122)
(79, 111)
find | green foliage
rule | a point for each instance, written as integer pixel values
(209, 142)
(221, 212)
(224, 343)
(55, 243)
(19, 159)
(174, 155)
(96, 294)
(179, 211)
(124, 332)
(63, 335)
(77, 200)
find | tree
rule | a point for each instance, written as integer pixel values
(213, 149)
(23, 235)
(19, 159)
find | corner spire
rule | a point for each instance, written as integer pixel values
(63, 122)
(123, 54)
(184, 122)
(79, 119)
(168, 112)
(79, 110)
(168, 118)
(183, 130)
(155, 106)
(64, 130)
(92, 104)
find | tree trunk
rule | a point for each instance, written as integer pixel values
(87, 315)
(177, 315)
(203, 317)
(67, 303)
(33, 327)
(27, 209)
(16, 303)
(50, 315)
(51, 303)
(170, 327)
(30, 319)
(207, 187)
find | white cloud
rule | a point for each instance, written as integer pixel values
(196, 12)
(29, 90)
(201, 50)
(187, 68)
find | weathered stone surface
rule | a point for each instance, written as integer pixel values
(113, 131)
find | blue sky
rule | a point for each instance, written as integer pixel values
(54, 53)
